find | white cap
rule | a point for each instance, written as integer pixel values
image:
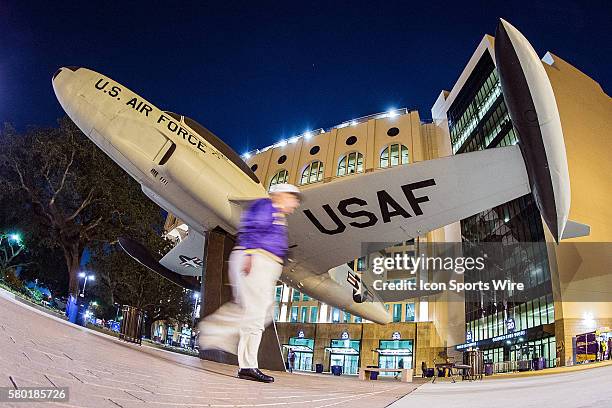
(285, 188)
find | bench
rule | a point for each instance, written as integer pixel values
(405, 373)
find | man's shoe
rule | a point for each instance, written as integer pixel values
(254, 374)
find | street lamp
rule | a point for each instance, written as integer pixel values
(84, 275)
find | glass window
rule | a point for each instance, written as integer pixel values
(280, 177)
(279, 293)
(314, 314)
(393, 155)
(296, 295)
(347, 317)
(304, 315)
(384, 157)
(305, 297)
(335, 315)
(397, 312)
(294, 314)
(550, 310)
(276, 313)
(409, 312)
(312, 173)
(350, 163)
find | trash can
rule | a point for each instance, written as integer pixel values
(539, 363)
(429, 373)
(336, 370)
(373, 374)
(524, 365)
(488, 369)
(131, 325)
(319, 368)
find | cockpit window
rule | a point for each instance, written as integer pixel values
(221, 146)
(175, 116)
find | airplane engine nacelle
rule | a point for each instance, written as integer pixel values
(531, 103)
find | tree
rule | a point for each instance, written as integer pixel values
(11, 253)
(124, 281)
(73, 191)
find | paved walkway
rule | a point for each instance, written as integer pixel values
(572, 389)
(101, 371)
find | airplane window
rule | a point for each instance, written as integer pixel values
(282, 159)
(254, 167)
(314, 150)
(174, 116)
(221, 146)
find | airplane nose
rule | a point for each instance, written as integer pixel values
(71, 68)
(57, 73)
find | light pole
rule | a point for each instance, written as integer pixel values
(196, 296)
(117, 314)
(86, 276)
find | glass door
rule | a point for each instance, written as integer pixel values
(349, 363)
(303, 361)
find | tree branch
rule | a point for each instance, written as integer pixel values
(88, 201)
(35, 201)
(63, 181)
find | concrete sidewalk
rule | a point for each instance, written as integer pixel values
(566, 389)
(42, 350)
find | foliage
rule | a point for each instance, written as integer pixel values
(12, 250)
(13, 281)
(126, 282)
(75, 195)
(68, 197)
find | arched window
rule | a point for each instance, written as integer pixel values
(393, 155)
(312, 173)
(281, 177)
(350, 163)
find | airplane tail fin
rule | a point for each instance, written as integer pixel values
(186, 257)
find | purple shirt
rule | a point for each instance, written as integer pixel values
(263, 226)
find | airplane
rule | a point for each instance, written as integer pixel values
(190, 172)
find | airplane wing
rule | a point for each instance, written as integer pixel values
(400, 203)
(141, 254)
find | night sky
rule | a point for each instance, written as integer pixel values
(257, 72)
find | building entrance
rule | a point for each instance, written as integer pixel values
(303, 349)
(344, 353)
(395, 354)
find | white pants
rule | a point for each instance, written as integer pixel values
(237, 326)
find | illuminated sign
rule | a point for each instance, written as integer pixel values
(509, 336)
(344, 335)
(396, 336)
(468, 336)
(300, 334)
(510, 324)
(342, 350)
(394, 352)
